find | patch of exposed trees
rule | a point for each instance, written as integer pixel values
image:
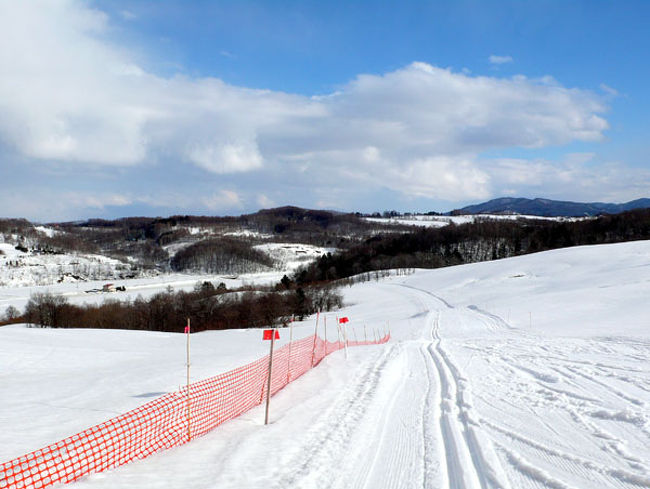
(290, 224)
(479, 241)
(221, 255)
(310, 289)
(143, 240)
(317, 227)
(208, 306)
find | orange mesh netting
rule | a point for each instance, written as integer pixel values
(168, 421)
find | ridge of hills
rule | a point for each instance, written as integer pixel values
(550, 208)
(287, 237)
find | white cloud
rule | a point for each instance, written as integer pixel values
(51, 205)
(441, 178)
(265, 202)
(499, 60)
(128, 15)
(574, 178)
(97, 201)
(371, 154)
(70, 94)
(226, 158)
(609, 90)
(224, 199)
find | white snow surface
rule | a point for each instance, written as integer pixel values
(24, 269)
(528, 372)
(47, 231)
(425, 220)
(72, 274)
(247, 233)
(82, 292)
(290, 256)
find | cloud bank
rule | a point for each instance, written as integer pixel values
(71, 94)
(500, 60)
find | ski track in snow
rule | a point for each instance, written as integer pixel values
(459, 399)
(481, 453)
(470, 461)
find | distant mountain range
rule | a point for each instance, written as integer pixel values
(547, 207)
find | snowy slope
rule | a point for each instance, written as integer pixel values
(18, 268)
(291, 256)
(530, 372)
(76, 292)
(71, 275)
(425, 220)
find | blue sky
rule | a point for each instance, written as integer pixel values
(117, 108)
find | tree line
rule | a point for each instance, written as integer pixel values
(221, 255)
(209, 308)
(310, 289)
(482, 240)
(145, 239)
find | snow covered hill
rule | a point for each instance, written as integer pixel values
(290, 256)
(529, 372)
(425, 220)
(29, 268)
(145, 287)
(548, 207)
(74, 276)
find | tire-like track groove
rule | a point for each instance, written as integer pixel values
(471, 463)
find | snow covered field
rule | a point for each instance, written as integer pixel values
(529, 372)
(22, 269)
(40, 273)
(146, 287)
(291, 256)
(424, 220)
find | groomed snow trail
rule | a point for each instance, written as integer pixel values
(529, 373)
(524, 411)
(545, 416)
(470, 460)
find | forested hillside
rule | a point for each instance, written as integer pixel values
(473, 242)
(184, 243)
(548, 207)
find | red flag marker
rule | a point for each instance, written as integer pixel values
(344, 320)
(187, 329)
(268, 334)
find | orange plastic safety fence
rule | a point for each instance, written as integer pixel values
(168, 421)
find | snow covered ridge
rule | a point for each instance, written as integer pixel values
(291, 256)
(142, 286)
(169, 421)
(425, 220)
(47, 231)
(30, 268)
(25, 268)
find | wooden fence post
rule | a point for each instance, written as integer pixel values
(268, 385)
